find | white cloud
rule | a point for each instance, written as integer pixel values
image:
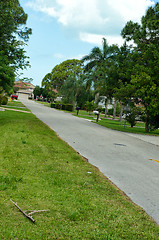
(97, 39)
(131, 9)
(63, 57)
(91, 19)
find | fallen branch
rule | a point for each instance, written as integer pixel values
(28, 215)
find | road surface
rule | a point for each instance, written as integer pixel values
(123, 158)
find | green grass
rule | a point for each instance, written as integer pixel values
(40, 171)
(120, 126)
(44, 103)
(16, 104)
(116, 124)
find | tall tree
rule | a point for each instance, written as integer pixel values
(61, 72)
(97, 64)
(146, 67)
(13, 35)
(97, 56)
(72, 88)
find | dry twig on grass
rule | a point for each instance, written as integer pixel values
(28, 215)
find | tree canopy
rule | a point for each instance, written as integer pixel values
(145, 75)
(61, 72)
(13, 35)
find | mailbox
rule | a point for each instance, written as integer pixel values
(97, 114)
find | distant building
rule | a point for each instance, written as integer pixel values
(25, 90)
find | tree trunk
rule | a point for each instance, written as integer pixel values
(106, 108)
(74, 104)
(146, 125)
(114, 112)
(121, 111)
(97, 98)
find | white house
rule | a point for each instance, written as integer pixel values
(25, 90)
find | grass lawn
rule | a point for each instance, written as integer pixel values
(117, 125)
(39, 171)
(15, 104)
(44, 103)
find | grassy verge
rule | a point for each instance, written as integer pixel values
(117, 125)
(44, 103)
(15, 104)
(39, 171)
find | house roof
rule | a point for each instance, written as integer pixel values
(23, 85)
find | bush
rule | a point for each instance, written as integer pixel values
(3, 100)
(52, 105)
(58, 105)
(90, 106)
(110, 111)
(131, 117)
(63, 106)
(69, 107)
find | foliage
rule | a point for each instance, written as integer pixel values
(90, 106)
(69, 107)
(61, 72)
(154, 122)
(126, 73)
(62, 106)
(52, 105)
(13, 35)
(4, 100)
(15, 89)
(37, 91)
(72, 88)
(97, 56)
(144, 80)
(131, 117)
(46, 93)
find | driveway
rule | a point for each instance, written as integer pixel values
(123, 158)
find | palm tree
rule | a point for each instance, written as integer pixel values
(98, 62)
(97, 57)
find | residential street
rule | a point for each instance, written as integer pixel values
(123, 158)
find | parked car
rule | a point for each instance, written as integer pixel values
(13, 96)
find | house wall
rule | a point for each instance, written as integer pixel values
(22, 95)
(25, 90)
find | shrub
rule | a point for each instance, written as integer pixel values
(131, 117)
(63, 106)
(58, 105)
(110, 111)
(69, 107)
(52, 105)
(103, 110)
(90, 106)
(3, 100)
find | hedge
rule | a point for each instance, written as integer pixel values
(67, 107)
(52, 105)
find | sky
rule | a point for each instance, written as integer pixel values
(69, 29)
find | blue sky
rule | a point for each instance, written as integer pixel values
(66, 29)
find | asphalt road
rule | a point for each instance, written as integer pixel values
(123, 158)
